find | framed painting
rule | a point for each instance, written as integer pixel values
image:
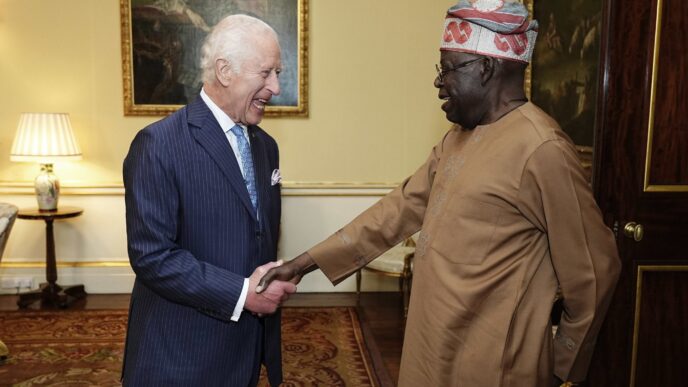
(565, 65)
(161, 44)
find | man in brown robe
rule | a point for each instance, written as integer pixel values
(506, 217)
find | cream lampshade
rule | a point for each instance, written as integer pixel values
(45, 138)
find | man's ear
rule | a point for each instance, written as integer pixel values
(223, 71)
(487, 70)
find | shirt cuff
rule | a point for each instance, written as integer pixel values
(240, 304)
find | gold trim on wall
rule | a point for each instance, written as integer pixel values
(289, 188)
(638, 299)
(132, 109)
(647, 187)
(73, 189)
(41, 264)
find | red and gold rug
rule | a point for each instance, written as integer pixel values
(321, 347)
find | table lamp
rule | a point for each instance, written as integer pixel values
(45, 138)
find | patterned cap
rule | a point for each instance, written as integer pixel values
(497, 28)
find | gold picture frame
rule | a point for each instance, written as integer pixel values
(161, 45)
(529, 70)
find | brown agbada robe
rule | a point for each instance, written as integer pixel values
(506, 216)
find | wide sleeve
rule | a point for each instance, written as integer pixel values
(395, 217)
(555, 194)
(152, 218)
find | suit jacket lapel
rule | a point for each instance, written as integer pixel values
(263, 175)
(208, 133)
(260, 166)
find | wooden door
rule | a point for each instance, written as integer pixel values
(640, 175)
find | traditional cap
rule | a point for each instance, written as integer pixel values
(497, 28)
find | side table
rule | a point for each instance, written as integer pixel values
(50, 292)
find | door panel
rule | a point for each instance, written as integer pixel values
(641, 175)
(667, 163)
(660, 288)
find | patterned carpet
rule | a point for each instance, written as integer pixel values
(321, 347)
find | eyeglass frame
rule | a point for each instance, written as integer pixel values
(442, 72)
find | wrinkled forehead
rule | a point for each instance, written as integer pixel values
(264, 46)
(263, 37)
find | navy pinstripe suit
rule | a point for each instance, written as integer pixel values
(193, 236)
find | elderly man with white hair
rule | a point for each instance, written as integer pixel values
(202, 211)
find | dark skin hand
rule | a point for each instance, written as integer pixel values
(291, 271)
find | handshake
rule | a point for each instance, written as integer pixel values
(271, 284)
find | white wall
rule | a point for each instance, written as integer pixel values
(91, 249)
(374, 117)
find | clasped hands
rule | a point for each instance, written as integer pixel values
(268, 300)
(271, 284)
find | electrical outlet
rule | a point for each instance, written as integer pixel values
(16, 282)
(26, 282)
(8, 283)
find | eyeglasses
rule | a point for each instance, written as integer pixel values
(442, 72)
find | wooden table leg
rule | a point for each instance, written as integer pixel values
(51, 293)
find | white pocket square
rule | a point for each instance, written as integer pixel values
(276, 177)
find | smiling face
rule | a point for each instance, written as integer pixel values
(461, 89)
(250, 86)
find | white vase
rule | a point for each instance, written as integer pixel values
(47, 188)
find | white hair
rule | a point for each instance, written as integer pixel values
(231, 39)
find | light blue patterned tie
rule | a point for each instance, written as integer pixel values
(246, 163)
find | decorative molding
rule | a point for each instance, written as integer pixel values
(289, 188)
(15, 264)
(73, 189)
(647, 187)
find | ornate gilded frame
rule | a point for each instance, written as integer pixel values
(529, 70)
(299, 109)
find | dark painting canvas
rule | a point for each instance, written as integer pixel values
(165, 36)
(565, 64)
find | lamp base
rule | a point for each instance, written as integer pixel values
(47, 188)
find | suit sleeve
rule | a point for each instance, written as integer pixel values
(555, 193)
(152, 213)
(388, 222)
